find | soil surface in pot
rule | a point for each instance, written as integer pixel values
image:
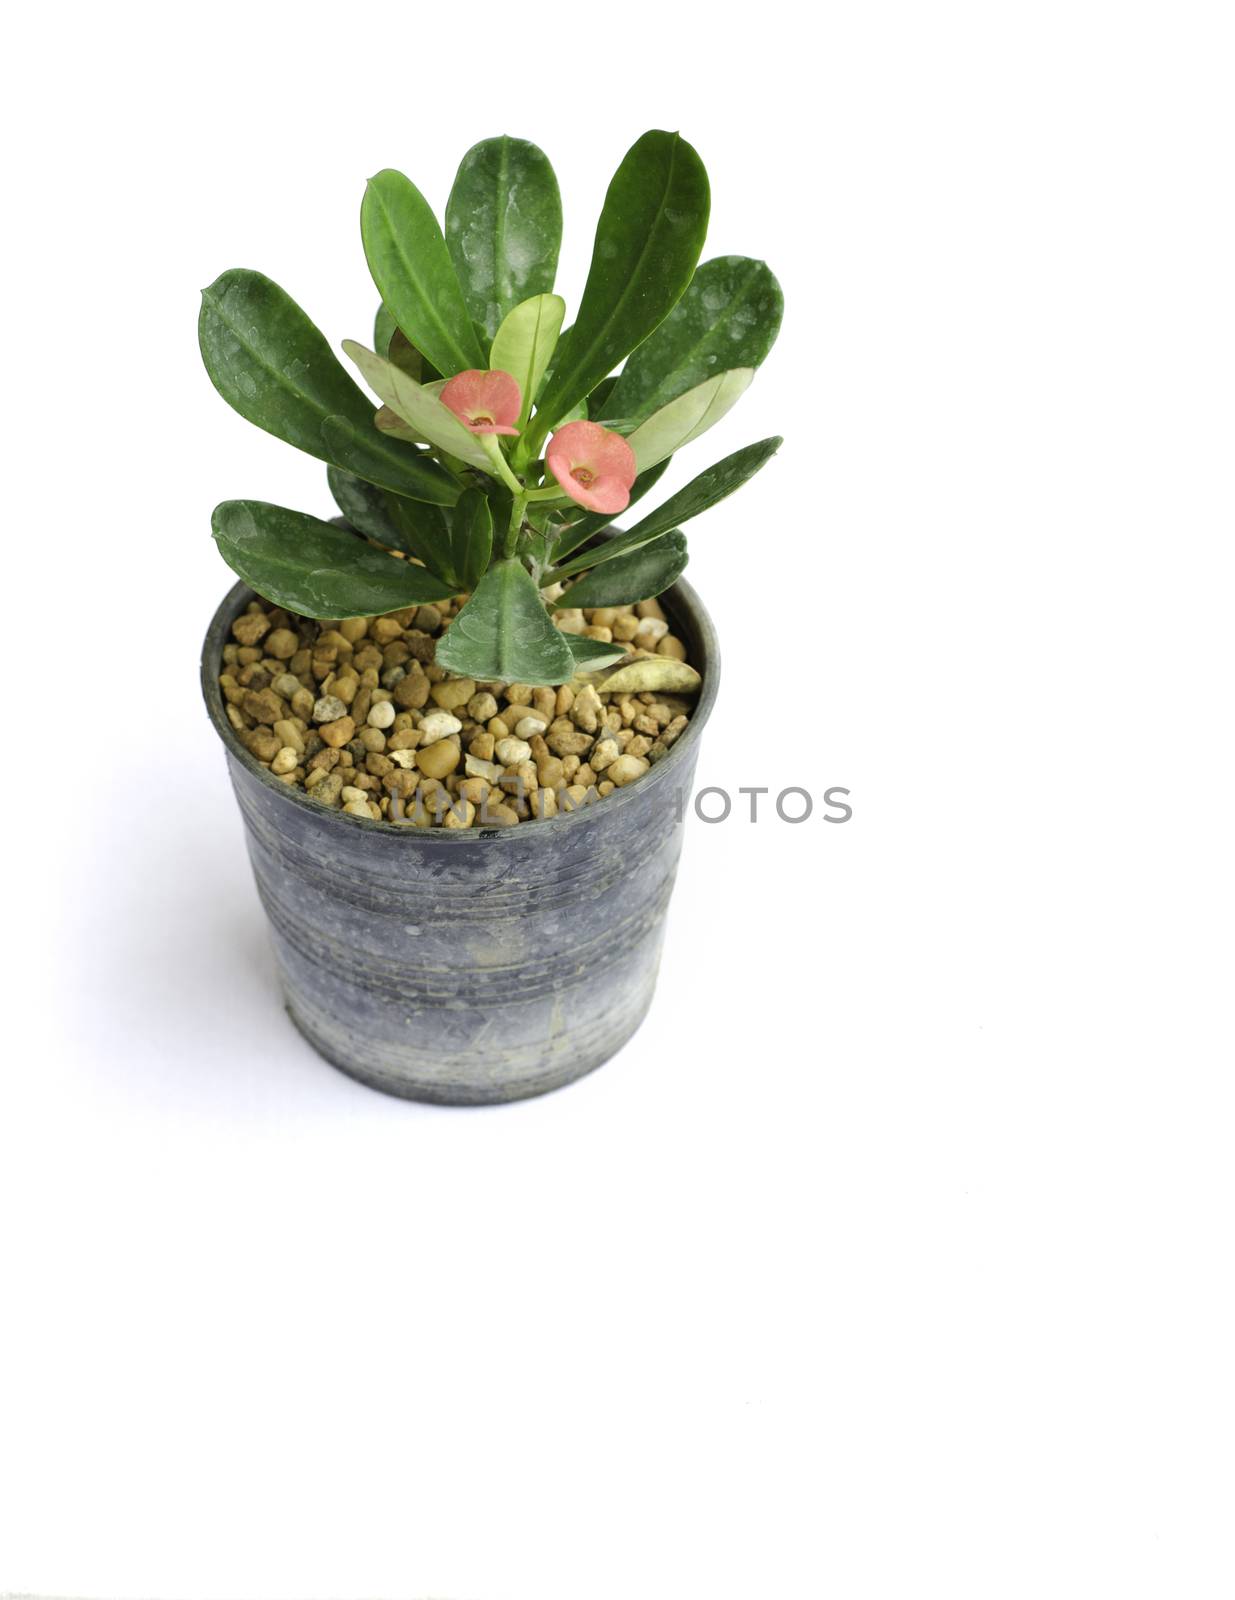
(358, 715)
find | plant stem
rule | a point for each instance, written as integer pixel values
(511, 542)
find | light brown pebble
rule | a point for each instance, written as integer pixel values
(604, 753)
(372, 738)
(350, 792)
(290, 734)
(626, 769)
(436, 760)
(428, 619)
(650, 608)
(570, 620)
(285, 760)
(475, 789)
(328, 789)
(354, 629)
(587, 710)
(453, 692)
(482, 706)
(459, 815)
(404, 739)
(263, 744)
(672, 647)
(338, 733)
(282, 644)
(302, 704)
(383, 629)
(285, 685)
(543, 803)
(573, 797)
(494, 815)
(251, 627)
(482, 745)
(358, 808)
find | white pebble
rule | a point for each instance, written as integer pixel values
(381, 714)
(510, 752)
(535, 722)
(329, 708)
(402, 758)
(476, 768)
(358, 808)
(438, 725)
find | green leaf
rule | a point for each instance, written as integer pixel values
(639, 575)
(591, 522)
(728, 317)
(648, 240)
(504, 634)
(424, 532)
(412, 269)
(525, 341)
(314, 568)
(599, 398)
(422, 412)
(272, 365)
(503, 228)
(699, 495)
(591, 654)
(399, 524)
(384, 329)
(685, 418)
(365, 506)
(472, 537)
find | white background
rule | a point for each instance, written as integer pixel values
(893, 1258)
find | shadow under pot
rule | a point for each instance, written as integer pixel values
(469, 966)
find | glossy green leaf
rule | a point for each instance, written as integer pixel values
(648, 240)
(423, 413)
(505, 634)
(685, 418)
(425, 532)
(272, 365)
(314, 568)
(384, 329)
(729, 317)
(400, 524)
(365, 506)
(699, 495)
(592, 654)
(599, 398)
(524, 343)
(639, 575)
(472, 537)
(412, 269)
(503, 228)
(591, 522)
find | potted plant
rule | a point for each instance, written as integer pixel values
(459, 721)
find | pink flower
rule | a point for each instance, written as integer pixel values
(593, 466)
(485, 402)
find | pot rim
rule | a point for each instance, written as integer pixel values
(680, 599)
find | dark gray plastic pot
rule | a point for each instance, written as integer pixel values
(476, 966)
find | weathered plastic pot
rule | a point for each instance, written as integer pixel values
(474, 966)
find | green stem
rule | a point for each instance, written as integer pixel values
(511, 542)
